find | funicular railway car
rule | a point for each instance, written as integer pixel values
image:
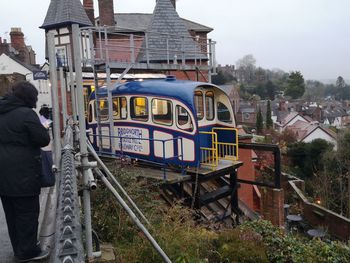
(171, 122)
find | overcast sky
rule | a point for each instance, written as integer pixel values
(312, 36)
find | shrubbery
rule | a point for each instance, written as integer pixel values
(184, 241)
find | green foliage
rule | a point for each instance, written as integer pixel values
(184, 241)
(306, 158)
(283, 247)
(332, 183)
(241, 246)
(270, 90)
(269, 122)
(259, 122)
(296, 85)
(222, 78)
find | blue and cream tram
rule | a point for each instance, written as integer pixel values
(177, 122)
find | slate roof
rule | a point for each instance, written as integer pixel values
(65, 12)
(165, 20)
(140, 22)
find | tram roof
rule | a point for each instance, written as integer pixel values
(169, 87)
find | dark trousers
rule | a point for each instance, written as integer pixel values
(22, 215)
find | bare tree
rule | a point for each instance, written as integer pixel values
(245, 68)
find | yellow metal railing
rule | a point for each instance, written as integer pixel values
(209, 156)
(227, 150)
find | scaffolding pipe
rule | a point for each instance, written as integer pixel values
(110, 176)
(71, 85)
(63, 97)
(109, 97)
(133, 217)
(54, 96)
(82, 140)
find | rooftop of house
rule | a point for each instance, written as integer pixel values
(303, 129)
(65, 12)
(27, 66)
(165, 20)
(140, 22)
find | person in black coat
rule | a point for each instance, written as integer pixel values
(21, 137)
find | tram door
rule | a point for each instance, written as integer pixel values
(172, 131)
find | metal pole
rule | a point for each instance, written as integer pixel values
(109, 97)
(63, 97)
(133, 217)
(54, 96)
(211, 62)
(71, 85)
(82, 139)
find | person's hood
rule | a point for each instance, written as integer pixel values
(10, 103)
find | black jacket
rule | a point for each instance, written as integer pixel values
(21, 136)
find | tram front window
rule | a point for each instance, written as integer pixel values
(209, 105)
(184, 121)
(223, 113)
(198, 103)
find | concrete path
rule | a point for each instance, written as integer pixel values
(46, 226)
(6, 253)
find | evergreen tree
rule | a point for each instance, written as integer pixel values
(269, 122)
(270, 90)
(296, 85)
(259, 122)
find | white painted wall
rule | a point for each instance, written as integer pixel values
(10, 66)
(318, 133)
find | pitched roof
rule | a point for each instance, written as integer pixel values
(165, 20)
(27, 66)
(65, 12)
(292, 115)
(303, 129)
(139, 22)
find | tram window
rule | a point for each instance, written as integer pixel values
(86, 93)
(119, 108)
(103, 107)
(209, 105)
(90, 113)
(162, 112)
(184, 121)
(139, 108)
(198, 102)
(223, 113)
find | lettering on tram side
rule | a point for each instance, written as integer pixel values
(131, 139)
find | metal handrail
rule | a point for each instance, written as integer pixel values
(163, 141)
(226, 146)
(198, 49)
(209, 155)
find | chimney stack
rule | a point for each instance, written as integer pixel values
(89, 9)
(17, 38)
(173, 3)
(106, 10)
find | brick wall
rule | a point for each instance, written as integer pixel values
(89, 9)
(4, 47)
(317, 216)
(106, 11)
(246, 172)
(272, 201)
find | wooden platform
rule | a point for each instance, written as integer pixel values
(204, 173)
